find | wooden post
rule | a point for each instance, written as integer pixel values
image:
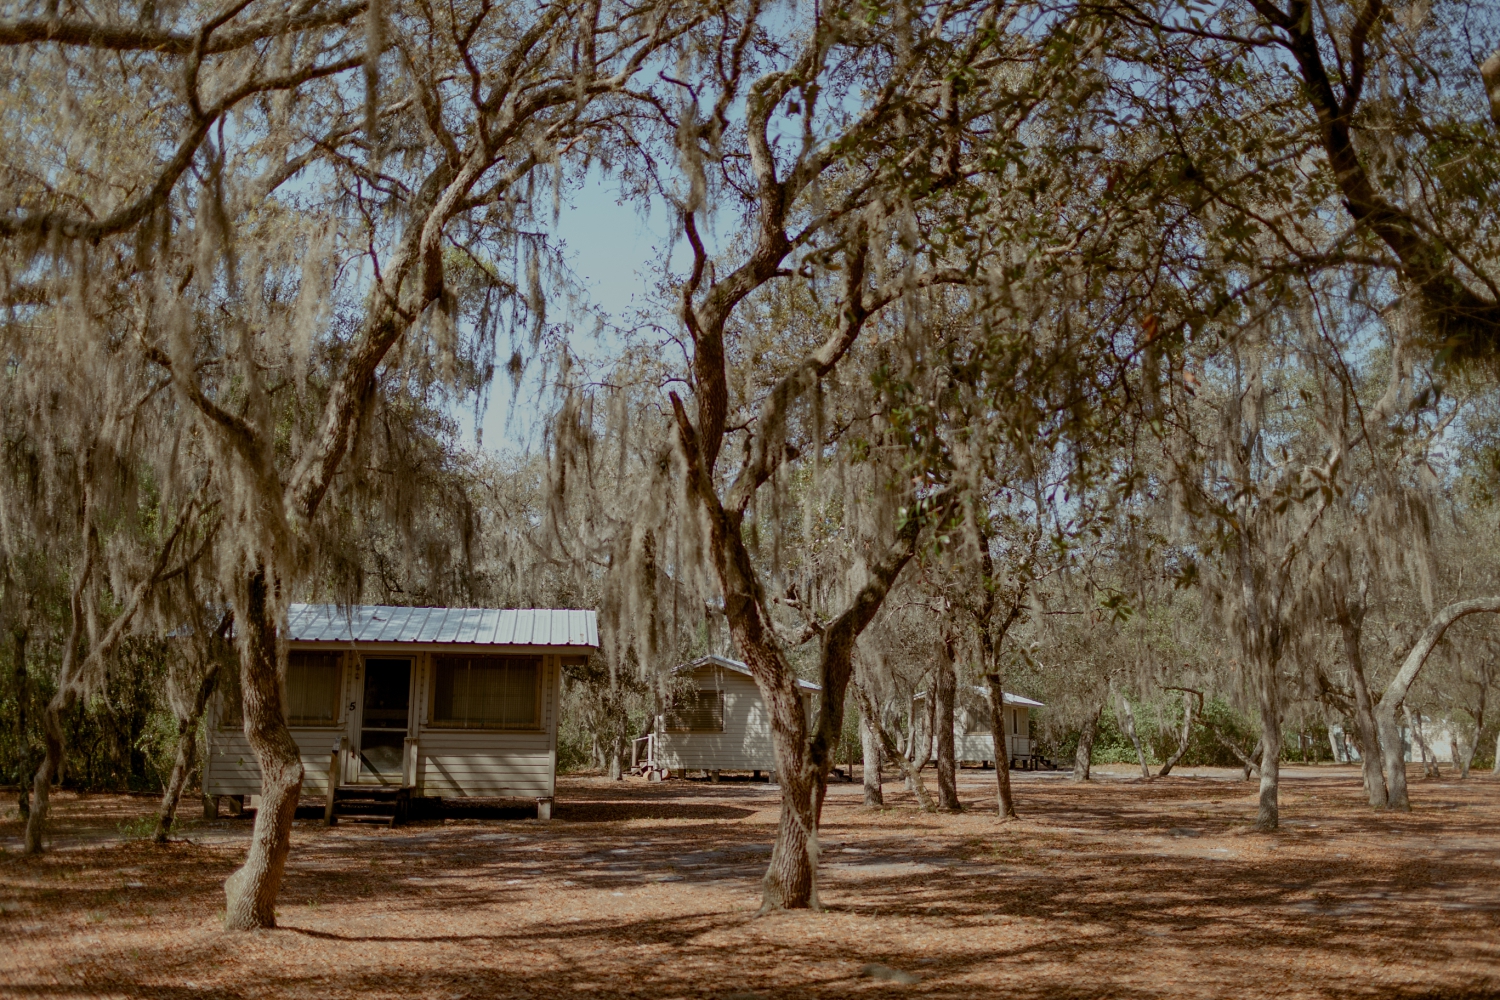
(544, 809)
(335, 763)
(714, 776)
(409, 762)
(210, 806)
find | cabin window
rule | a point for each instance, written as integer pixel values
(487, 692)
(697, 712)
(312, 689)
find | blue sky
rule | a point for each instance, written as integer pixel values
(614, 253)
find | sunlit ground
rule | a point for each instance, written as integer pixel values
(1115, 889)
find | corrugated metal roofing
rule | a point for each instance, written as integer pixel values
(736, 666)
(473, 626)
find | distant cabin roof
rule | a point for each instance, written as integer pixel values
(1010, 699)
(466, 626)
(721, 661)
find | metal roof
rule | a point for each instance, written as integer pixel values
(736, 666)
(469, 626)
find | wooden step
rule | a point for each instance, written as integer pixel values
(390, 803)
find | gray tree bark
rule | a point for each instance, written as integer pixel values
(52, 730)
(1005, 803)
(1429, 759)
(22, 688)
(1083, 756)
(1366, 732)
(1189, 698)
(912, 773)
(944, 695)
(250, 893)
(1396, 691)
(1268, 815)
(1471, 744)
(1127, 721)
(187, 747)
(870, 749)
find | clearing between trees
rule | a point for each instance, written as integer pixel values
(1114, 888)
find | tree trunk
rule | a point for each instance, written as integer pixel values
(1366, 732)
(944, 695)
(1005, 803)
(1268, 816)
(1429, 759)
(1127, 720)
(23, 738)
(1083, 756)
(870, 747)
(790, 881)
(1495, 767)
(50, 769)
(187, 746)
(616, 752)
(1395, 694)
(1188, 699)
(921, 745)
(1470, 745)
(250, 893)
(913, 776)
(52, 730)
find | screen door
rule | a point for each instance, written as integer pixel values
(384, 723)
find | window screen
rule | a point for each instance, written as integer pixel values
(977, 721)
(488, 692)
(312, 689)
(697, 712)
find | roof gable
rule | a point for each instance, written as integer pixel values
(714, 660)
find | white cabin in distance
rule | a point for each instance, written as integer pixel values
(721, 724)
(972, 739)
(428, 702)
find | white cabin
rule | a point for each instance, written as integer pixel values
(445, 702)
(972, 738)
(721, 725)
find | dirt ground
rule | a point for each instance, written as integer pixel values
(1112, 889)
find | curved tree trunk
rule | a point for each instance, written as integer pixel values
(250, 893)
(1083, 756)
(1127, 719)
(1188, 700)
(187, 747)
(944, 695)
(50, 769)
(1396, 690)
(1005, 803)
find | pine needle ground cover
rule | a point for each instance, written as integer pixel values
(1112, 889)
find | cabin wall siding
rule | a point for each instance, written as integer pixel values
(980, 746)
(232, 770)
(745, 743)
(467, 763)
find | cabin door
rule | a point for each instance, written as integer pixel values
(384, 721)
